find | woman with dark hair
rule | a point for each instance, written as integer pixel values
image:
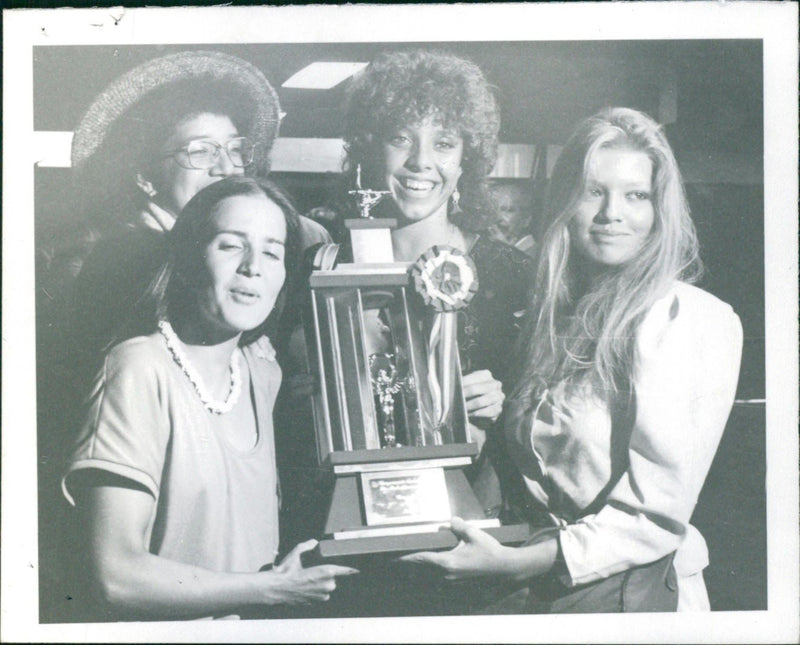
(146, 145)
(627, 380)
(423, 125)
(174, 474)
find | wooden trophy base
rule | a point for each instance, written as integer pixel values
(383, 509)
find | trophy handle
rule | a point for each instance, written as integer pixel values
(325, 257)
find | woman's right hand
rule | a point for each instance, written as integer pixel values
(484, 397)
(133, 583)
(296, 585)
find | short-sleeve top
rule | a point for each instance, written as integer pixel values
(621, 476)
(216, 505)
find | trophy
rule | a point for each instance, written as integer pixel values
(390, 417)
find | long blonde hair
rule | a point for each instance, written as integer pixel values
(574, 330)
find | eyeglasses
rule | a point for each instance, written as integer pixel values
(202, 154)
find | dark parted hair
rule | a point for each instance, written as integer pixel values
(171, 290)
(402, 88)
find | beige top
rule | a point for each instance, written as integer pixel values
(216, 505)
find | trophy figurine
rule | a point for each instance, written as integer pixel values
(386, 386)
(367, 197)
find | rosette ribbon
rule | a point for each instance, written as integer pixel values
(446, 279)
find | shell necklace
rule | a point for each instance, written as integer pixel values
(178, 355)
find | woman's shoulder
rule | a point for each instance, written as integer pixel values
(497, 256)
(312, 232)
(694, 301)
(265, 371)
(262, 359)
(690, 310)
(137, 353)
(124, 249)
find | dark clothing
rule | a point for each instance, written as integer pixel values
(650, 587)
(488, 327)
(113, 279)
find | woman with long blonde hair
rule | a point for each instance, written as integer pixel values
(627, 379)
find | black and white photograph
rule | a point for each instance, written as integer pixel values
(401, 323)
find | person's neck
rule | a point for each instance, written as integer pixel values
(588, 276)
(209, 353)
(413, 239)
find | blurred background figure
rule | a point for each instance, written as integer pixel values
(515, 217)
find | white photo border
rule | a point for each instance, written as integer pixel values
(773, 22)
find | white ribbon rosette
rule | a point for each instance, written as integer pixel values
(446, 279)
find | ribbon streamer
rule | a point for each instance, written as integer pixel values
(446, 279)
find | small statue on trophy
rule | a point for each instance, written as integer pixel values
(367, 197)
(386, 386)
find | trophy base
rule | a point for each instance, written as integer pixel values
(395, 509)
(358, 551)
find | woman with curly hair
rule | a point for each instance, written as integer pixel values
(423, 125)
(628, 377)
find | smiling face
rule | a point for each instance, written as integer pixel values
(421, 167)
(243, 264)
(614, 214)
(176, 185)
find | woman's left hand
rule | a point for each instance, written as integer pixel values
(484, 397)
(477, 554)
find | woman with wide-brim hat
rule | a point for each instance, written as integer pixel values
(147, 144)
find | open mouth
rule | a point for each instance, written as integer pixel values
(244, 296)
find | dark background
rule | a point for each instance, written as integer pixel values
(709, 94)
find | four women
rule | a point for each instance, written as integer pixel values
(626, 380)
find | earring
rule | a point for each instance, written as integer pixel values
(455, 209)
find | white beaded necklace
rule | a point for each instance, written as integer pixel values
(215, 407)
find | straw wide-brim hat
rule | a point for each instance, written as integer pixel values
(130, 88)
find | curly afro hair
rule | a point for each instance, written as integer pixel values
(406, 87)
